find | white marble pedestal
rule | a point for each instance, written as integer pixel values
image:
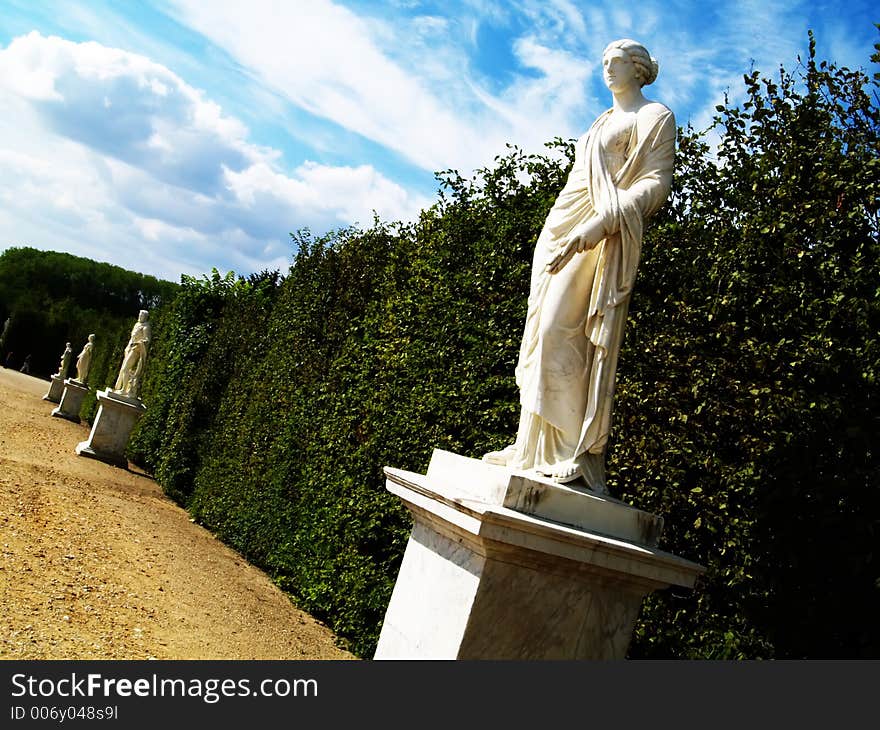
(56, 388)
(117, 415)
(506, 565)
(71, 400)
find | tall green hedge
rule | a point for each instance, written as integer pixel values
(749, 407)
(746, 409)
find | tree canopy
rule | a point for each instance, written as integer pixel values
(50, 298)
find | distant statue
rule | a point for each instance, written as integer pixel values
(133, 361)
(64, 366)
(582, 277)
(26, 365)
(84, 361)
(3, 334)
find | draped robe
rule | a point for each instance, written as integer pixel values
(575, 319)
(128, 380)
(84, 362)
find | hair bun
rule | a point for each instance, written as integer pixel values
(655, 68)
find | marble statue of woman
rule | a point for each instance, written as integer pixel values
(583, 271)
(133, 361)
(84, 361)
(65, 362)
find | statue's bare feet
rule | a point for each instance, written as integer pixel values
(587, 468)
(501, 458)
(562, 473)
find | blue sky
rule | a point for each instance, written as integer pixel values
(175, 136)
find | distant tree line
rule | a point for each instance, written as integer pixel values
(747, 406)
(49, 298)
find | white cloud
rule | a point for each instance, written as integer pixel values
(113, 153)
(339, 195)
(559, 92)
(430, 25)
(573, 21)
(623, 19)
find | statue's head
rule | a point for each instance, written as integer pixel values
(91, 338)
(67, 345)
(142, 316)
(646, 66)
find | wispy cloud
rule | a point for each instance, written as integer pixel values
(407, 82)
(334, 67)
(370, 75)
(188, 134)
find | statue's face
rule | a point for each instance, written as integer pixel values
(618, 70)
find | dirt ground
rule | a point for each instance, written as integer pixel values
(96, 563)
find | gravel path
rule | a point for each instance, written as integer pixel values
(96, 563)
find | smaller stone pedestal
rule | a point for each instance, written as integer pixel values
(507, 565)
(117, 415)
(56, 389)
(71, 400)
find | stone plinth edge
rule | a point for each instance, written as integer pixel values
(461, 477)
(84, 449)
(56, 388)
(112, 398)
(496, 529)
(71, 400)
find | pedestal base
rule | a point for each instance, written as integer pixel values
(116, 417)
(56, 388)
(506, 565)
(71, 400)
